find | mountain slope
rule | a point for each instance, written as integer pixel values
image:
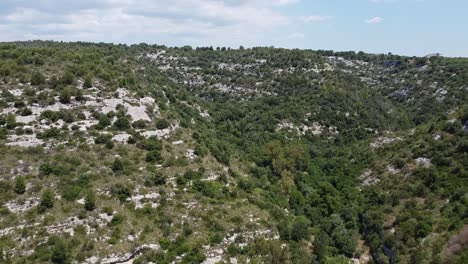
(113, 153)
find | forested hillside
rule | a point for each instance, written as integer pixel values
(152, 154)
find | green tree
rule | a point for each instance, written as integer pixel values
(90, 201)
(162, 123)
(153, 156)
(104, 121)
(20, 185)
(65, 95)
(37, 78)
(117, 166)
(67, 78)
(300, 228)
(122, 123)
(88, 82)
(47, 200)
(60, 253)
(10, 121)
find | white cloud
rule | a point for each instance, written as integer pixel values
(287, 2)
(315, 18)
(296, 35)
(374, 20)
(194, 22)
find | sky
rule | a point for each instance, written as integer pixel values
(405, 27)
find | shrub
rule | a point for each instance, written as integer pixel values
(162, 124)
(65, 95)
(151, 143)
(37, 78)
(47, 200)
(88, 82)
(60, 252)
(122, 123)
(79, 96)
(139, 124)
(117, 166)
(102, 139)
(10, 121)
(300, 228)
(20, 185)
(153, 156)
(90, 201)
(155, 180)
(104, 121)
(121, 192)
(26, 112)
(67, 78)
(45, 169)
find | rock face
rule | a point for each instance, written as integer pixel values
(423, 162)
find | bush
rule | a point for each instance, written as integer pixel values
(68, 78)
(60, 252)
(26, 112)
(162, 124)
(104, 121)
(65, 95)
(140, 124)
(122, 123)
(117, 166)
(300, 228)
(151, 143)
(46, 169)
(121, 192)
(10, 121)
(153, 156)
(20, 185)
(155, 180)
(88, 82)
(37, 78)
(90, 201)
(47, 200)
(102, 139)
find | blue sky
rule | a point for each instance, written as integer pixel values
(408, 27)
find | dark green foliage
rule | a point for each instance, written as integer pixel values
(122, 123)
(117, 165)
(26, 112)
(104, 121)
(10, 121)
(60, 253)
(103, 139)
(20, 185)
(37, 78)
(150, 144)
(140, 124)
(90, 201)
(47, 200)
(88, 82)
(65, 95)
(156, 179)
(300, 228)
(68, 78)
(162, 123)
(46, 169)
(153, 156)
(79, 96)
(121, 192)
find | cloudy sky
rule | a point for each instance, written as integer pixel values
(409, 27)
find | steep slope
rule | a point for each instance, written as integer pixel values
(114, 153)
